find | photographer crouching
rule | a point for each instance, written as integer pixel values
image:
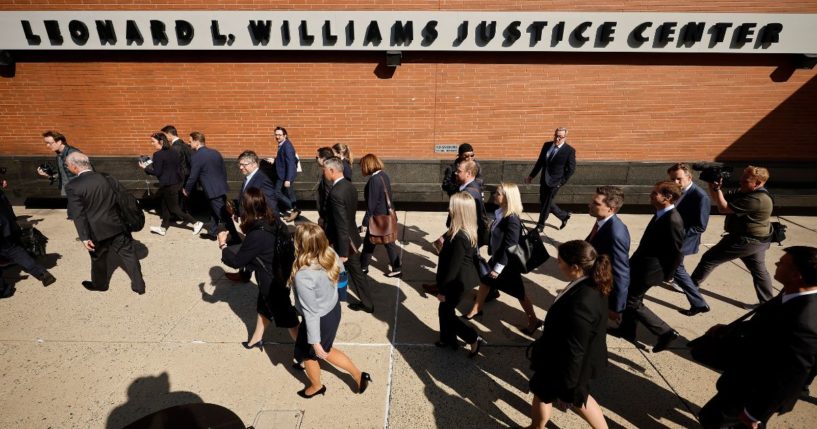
(748, 229)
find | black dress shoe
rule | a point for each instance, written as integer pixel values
(493, 294)
(475, 350)
(7, 292)
(664, 340)
(564, 221)
(540, 228)
(358, 306)
(694, 310)
(48, 279)
(365, 379)
(303, 394)
(90, 286)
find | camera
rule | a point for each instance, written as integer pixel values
(145, 159)
(711, 172)
(49, 169)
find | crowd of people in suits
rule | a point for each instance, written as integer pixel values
(604, 294)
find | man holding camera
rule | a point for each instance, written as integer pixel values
(58, 143)
(748, 212)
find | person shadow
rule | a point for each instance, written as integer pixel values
(147, 395)
(240, 297)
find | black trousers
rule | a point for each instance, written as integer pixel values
(16, 254)
(219, 216)
(452, 326)
(547, 198)
(636, 311)
(391, 250)
(102, 266)
(169, 199)
(358, 281)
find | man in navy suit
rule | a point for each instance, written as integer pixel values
(778, 353)
(611, 237)
(557, 160)
(207, 167)
(693, 206)
(656, 259)
(253, 178)
(286, 168)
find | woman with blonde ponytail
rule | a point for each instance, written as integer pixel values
(314, 277)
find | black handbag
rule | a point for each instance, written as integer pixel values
(530, 252)
(778, 233)
(720, 345)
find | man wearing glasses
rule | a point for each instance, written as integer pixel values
(451, 185)
(59, 144)
(557, 160)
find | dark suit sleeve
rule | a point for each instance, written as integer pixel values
(449, 180)
(195, 171)
(291, 162)
(702, 220)
(781, 380)
(540, 162)
(341, 222)
(157, 166)
(570, 166)
(369, 193)
(510, 237)
(674, 254)
(620, 261)
(451, 267)
(249, 250)
(268, 189)
(76, 207)
(578, 334)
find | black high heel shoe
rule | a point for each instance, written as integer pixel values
(365, 379)
(303, 394)
(465, 316)
(475, 350)
(259, 345)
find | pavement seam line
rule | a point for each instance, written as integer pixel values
(671, 387)
(394, 331)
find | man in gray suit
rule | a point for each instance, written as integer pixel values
(92, 200)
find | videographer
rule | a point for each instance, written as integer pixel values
(748, 229)
(58, 143)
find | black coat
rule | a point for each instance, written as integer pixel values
(166, 167)
(92, 202)
(659, 252)
(375, 194)
(558, 170)
(207, 167)
(504, 235)
(455, 268)
(340, 224)
(257, 245)
(572, 349)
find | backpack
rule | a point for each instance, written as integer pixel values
(127, 206)
(284, 252)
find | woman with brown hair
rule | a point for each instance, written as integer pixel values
(343, 152)
(378, 202)
(573, 347)
(263, 230)
(314, 277)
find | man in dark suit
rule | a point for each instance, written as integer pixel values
(778, 353)
(253, 178)
(656, 259)
(557, 160)
(341, 230)
(286, 168)
(11, 250)
(207, 168)
(693, 206)
(92, 199)
(611, 237)
(322, 187)
(185, 155)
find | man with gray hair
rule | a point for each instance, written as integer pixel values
(557, 161)
(92, 200)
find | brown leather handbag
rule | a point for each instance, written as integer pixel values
(383, 228)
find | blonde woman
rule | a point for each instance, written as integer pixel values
(503, 274)
(343, 152)
(314, 277)
(456, 272)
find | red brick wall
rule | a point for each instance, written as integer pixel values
(645, 107)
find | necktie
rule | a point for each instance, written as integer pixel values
(593, 232)
(244, 185)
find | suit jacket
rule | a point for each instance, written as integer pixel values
(185, 153)
(455, 268)
(9, 230)
(260, 181)
(166, 166)
(558, 170)
(659, 252)
(694, 208)
(92, 201)
(339, 225)
(475, 189)
(207, 167)
(286, 164)
(573, 344)
(613, 240)
(504, 235)
(375, 194)
(347, 170)
(778, 355)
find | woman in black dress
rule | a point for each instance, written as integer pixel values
(456, 272)
(262, 227)
(166, 166)
(377, 203)
(573, 347)
(501, 272)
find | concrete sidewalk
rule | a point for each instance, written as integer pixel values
(71, 358)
